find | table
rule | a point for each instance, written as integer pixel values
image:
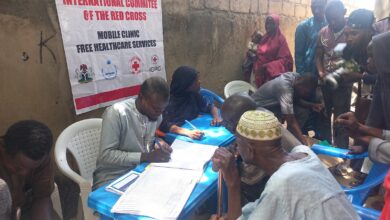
(217, 136)
(102, 201)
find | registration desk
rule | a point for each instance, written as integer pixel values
(102, 201)
(217, 136)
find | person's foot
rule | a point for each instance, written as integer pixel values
(342, 169)
(359, 175)
(359, 178)
(355, 183)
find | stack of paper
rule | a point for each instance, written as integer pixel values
(163, 189)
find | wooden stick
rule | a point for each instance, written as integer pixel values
(220, 194)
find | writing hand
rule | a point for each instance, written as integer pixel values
(163, 146)
(157, 155)
(194, 134)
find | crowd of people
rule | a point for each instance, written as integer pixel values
(279, 176)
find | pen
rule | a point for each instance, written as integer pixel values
(193, 126)
(220, 195)
(157, 142)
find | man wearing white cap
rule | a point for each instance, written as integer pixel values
(300, 187)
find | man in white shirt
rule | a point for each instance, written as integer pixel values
(128, 132)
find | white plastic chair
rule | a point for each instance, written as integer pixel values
(237, 86)
(82, 140)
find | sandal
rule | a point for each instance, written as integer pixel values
(359, 175)
(355, 183)
(342, 170)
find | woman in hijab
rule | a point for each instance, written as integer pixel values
(186, 103)
(273, 55)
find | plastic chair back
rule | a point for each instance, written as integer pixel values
(237, 86)
(367, 213)
(82, 140)
(375, 177)
(211, 96)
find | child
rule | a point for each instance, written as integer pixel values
(251, 55)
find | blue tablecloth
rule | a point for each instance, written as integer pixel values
(217, 136)
(102, 201)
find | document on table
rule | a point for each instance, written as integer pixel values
(186, 155)
(120, 185)
(163, 189)
(160, 192)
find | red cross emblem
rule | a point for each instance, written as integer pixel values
(135, 65)
(154, 59)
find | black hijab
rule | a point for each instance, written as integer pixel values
(183, 104)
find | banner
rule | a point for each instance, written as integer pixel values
(111, 47)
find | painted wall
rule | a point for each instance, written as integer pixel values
(210, 35)
(382, 8)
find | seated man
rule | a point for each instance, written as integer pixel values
(279, 95)
(27, 169)
(377, 140)
(128, 132)
(300, 187)
(253, 178)
(374, 134)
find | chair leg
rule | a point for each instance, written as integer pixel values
(87, 212)
(56, 201)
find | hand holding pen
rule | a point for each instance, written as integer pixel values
(161, 152)
(160, 144)
(195, 133)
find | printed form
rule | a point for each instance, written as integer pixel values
(163, 189)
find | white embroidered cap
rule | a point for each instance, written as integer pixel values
(259, 126)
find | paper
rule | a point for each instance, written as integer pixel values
(160, 192)
(163, 189)
(120, 185)
(188, 155)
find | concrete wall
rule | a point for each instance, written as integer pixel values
(210, 35)
(33, 88)
(382, 8)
